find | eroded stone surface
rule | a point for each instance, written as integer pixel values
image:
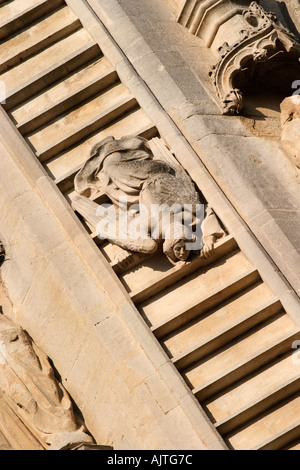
(28, 384)
(290, 123)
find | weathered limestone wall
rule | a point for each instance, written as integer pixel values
(66, 297)
(63, 291)
(242, 154)
(175, 6)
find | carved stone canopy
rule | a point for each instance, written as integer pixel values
(205, 19)
(264, 53)
(253, 48)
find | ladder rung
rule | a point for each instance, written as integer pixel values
(34, 47)
(245, 367)
(210, 301)
(27, 16)
(223, 247)
(254, 408)
(93, 125)
(243, 325)
(70, 101)
(54, 73)
(278, 441)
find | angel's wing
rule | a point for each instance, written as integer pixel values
(108, 225)
(86, 181)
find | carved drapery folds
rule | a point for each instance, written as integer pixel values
(29, 389)
(256, 47)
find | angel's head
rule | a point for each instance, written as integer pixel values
(176, 249)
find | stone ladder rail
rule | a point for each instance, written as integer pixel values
(221, 326)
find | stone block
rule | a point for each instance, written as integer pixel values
(161, 393)
(153, 9)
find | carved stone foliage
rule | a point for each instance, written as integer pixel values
(141, 190)
(262, 42)
(290, 128)
(30, 390)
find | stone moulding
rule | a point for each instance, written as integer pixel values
(258, 43)
(203, 18)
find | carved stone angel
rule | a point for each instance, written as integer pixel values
(28, 385)
(126, 171)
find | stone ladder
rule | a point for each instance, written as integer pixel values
(62, 93)
(219, 323)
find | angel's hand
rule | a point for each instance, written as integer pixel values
(208, 247)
